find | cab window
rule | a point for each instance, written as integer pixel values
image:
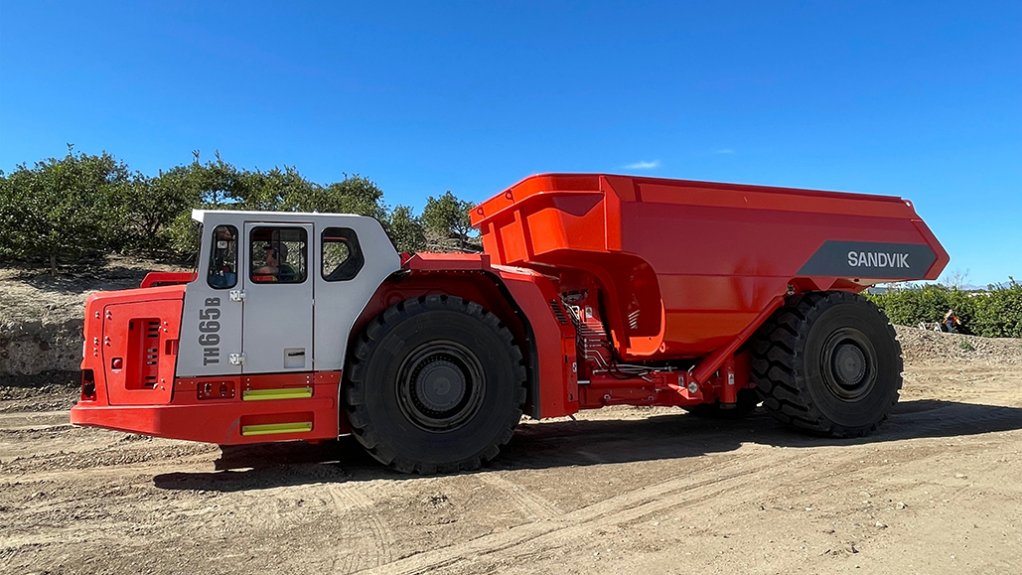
(342, 257)
(278, 255)
(223, 258)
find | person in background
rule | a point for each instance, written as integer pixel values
(952, 322)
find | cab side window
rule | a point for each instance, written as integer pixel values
(278, 255)
(342, 256)
(223, 258)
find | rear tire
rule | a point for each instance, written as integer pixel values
(828, 363)
(435, 384)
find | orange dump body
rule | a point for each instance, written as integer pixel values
(683, 267)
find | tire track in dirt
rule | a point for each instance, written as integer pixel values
(713, 482)
(174, 462)
(20, 420)
(355, 509)
(623, 508)
(535, 507)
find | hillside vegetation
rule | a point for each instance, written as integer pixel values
(82, 206)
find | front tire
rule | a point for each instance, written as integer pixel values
(435, 384)
(828, 363)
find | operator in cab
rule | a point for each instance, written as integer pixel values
(275, 267)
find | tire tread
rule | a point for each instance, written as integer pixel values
(363, 427)
(776, 352)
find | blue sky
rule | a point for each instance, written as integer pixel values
(917, 99)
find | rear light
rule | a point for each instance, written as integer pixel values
(216, 390)
(116, 363)
(88, 385)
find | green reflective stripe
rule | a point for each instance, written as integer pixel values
(283, 393)
(271, 428)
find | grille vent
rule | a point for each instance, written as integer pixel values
(555, 306)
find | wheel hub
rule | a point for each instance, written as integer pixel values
(848, 364)
(440, 385)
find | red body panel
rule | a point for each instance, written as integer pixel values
(222, 420)
(156, 279)
(129, 382)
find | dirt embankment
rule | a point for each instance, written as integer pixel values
(925, 347)
(41, 316)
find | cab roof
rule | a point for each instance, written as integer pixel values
(200, 215)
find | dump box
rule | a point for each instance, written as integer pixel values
(685, 266)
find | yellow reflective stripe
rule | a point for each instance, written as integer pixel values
(271, 428)
(282, 393)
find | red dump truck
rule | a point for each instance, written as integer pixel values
(592, 290)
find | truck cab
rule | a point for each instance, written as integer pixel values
(278, 293)
(266, 315)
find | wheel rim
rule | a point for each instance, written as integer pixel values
(849, 365)
(440, 386)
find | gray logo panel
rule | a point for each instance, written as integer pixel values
(870, 260)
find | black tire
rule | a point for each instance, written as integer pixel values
(435, 384)
(828, 363)
(748, 399)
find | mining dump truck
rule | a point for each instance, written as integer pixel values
(591, 290)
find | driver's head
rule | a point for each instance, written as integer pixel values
(270, 255)
(275, 253)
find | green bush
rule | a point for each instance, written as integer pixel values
(996, 313)
(64, 210)
(999, 313)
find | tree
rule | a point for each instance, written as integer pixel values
(62, 210)
(218, 182)
(354, 194)
(153, 205)
(275, 190)
(211, 185)
(447, 223)
(405, 230)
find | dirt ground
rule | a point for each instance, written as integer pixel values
(622, 490)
